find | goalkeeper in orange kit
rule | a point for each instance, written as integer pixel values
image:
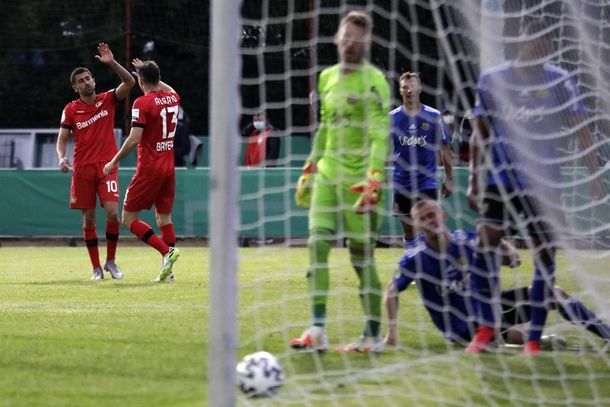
(342, 180)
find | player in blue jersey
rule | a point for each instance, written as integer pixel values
(440, 267)
(419, 138)
(524, 108)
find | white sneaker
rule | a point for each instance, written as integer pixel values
(98, 274)
(554, 342)
(114, 270)
(313, 338)
(364, 344)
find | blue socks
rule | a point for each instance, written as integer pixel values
(541, 292)
(577, 313)
(485, 286)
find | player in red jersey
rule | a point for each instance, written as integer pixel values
(91, 120)
(153, 124)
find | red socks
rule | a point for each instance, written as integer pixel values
(146, 234)
(168, 234)
(90, 237)
(112, 238)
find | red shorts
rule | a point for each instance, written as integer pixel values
(89, 181)
(145, 190)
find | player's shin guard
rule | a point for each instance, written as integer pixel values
(112, 238)
(146, 234)
(317, 276)
(91, 241)
(541, 293)
(370, 287)
(485, 286)
(577, 313)
(168, 234)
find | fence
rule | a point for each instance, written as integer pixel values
(36, 204)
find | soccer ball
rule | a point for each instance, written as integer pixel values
(260, 374)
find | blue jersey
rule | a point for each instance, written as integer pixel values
(416, 141)
(528, 116)
(443, 283)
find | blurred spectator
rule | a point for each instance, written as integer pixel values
(462, 142)
(186, 146)
(449, 121)
(460, 135)
(263, 147)
(182, 145)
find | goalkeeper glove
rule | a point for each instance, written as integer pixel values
(302, 196)
(369, 192)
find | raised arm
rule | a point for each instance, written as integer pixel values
(127, 81)
(137, 63)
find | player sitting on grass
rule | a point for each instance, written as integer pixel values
(440, 267)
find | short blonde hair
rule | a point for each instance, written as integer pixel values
(408, 75)
(359, 18)
(420, 204)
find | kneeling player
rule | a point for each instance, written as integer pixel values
(440, 269)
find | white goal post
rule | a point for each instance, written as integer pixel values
(223, 215)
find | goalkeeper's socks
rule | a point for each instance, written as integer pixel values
(370, 288)
(146, 234)
(168, 234)
(112, 238)
(317, 276)
(90, 238)
(539, 294)
(319, 314)
(577, 313)
(372, 328)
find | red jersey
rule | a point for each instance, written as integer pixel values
(93, 128)
(256, 151)
(157, 113)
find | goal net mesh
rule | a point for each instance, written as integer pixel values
(284, 47)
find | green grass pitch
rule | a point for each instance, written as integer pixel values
(69, 341)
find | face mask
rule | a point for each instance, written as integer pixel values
(448, 119)
(259, 125)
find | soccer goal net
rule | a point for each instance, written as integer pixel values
(284, 47)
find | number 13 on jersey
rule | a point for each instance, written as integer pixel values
(173, 112)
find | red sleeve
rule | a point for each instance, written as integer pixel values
(138, 116)
(111, 97)
(66, 117)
